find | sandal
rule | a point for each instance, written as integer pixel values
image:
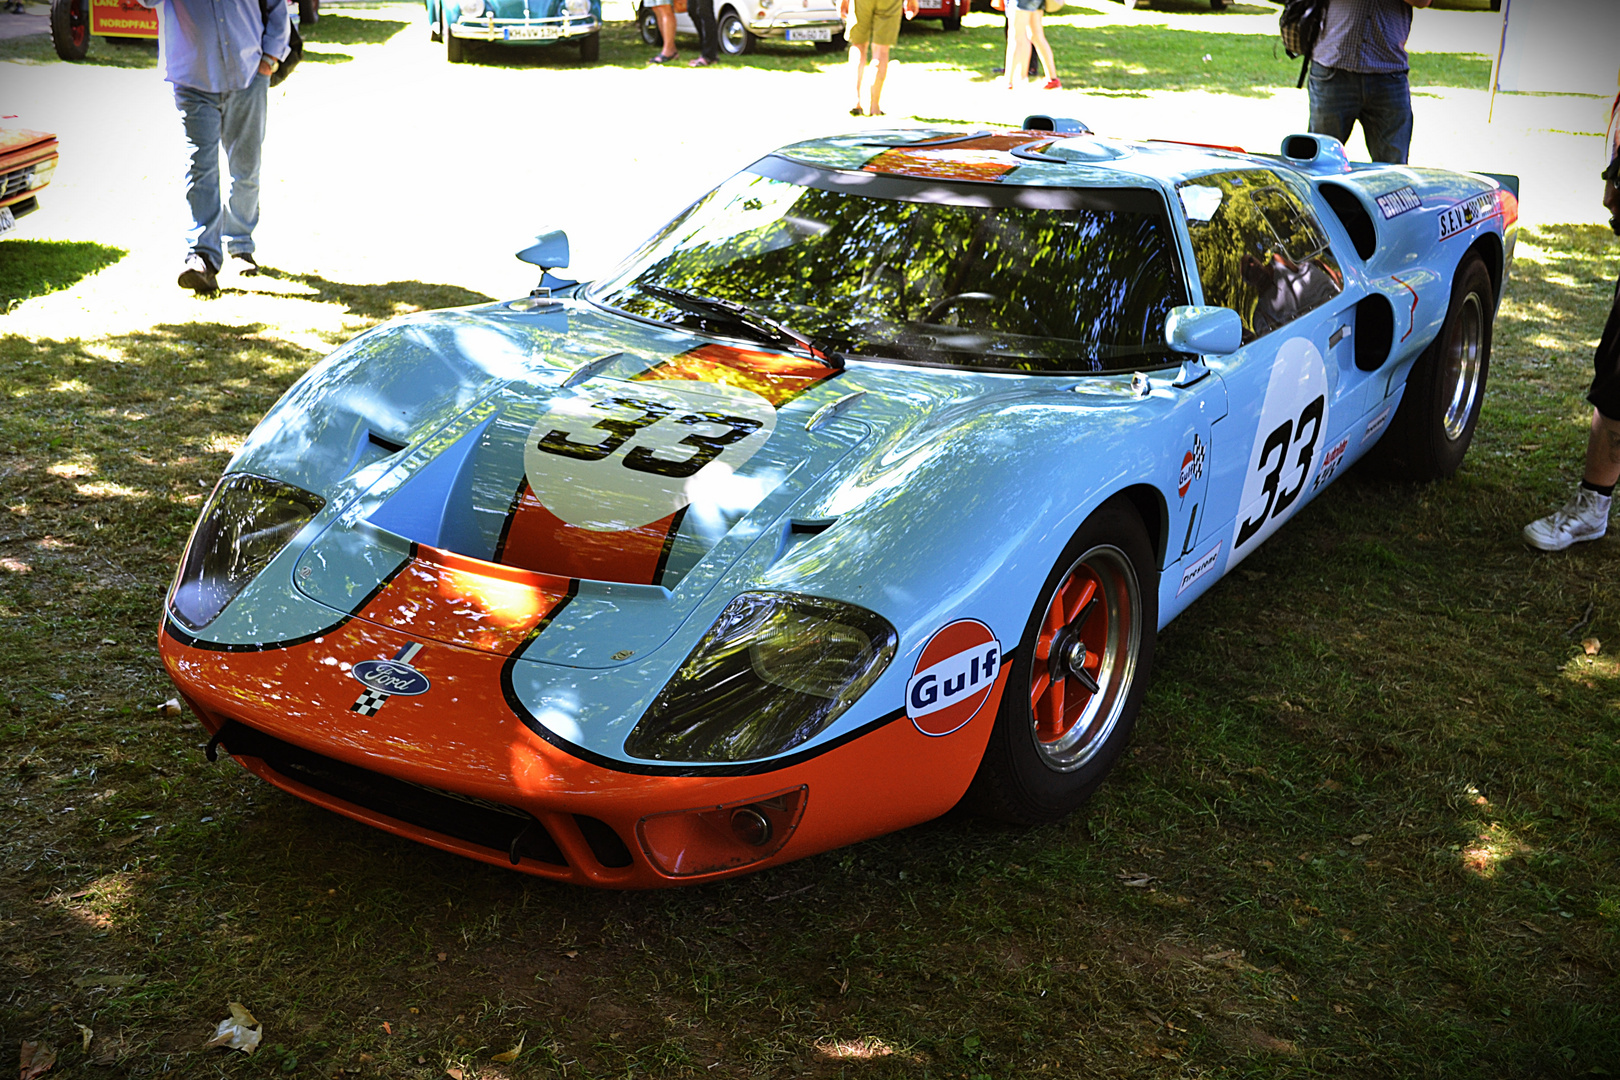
(660, 58)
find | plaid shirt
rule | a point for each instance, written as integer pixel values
(1367, 36)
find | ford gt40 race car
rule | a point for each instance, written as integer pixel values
(862, 487)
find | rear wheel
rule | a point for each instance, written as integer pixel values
(647, 25)
(70, 28)
(1077, 681)
(735, 37)
(590, 48)
(1432, 429)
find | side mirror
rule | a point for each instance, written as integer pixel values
(1206, 331)
(549, 250)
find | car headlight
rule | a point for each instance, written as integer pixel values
(246, 523)
(773, 671)
(472, 9)
(579, 8)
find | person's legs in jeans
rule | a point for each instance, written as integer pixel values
(242, 132)
(1386, 117)
(200, 116)
(1335, 101)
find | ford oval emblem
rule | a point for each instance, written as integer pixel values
(391, 677)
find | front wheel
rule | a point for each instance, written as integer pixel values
(735, 37)
(1431, 431)
(1077, 681)
(70, 28)
(590, 48)
(647, 26)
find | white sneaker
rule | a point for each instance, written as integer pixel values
(1585, 517)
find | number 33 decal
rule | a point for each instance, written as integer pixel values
(619, 457)
(1293, 420)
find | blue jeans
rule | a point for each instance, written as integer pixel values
(233, 119)
(1383, 104)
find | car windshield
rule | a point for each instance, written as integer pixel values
(999, 278)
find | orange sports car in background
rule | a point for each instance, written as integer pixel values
(27, 163)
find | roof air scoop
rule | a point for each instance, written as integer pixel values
(1316, 153)
(1060, 124)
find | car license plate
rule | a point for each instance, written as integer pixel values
(8, 220)
(532, 33)
(810, 33)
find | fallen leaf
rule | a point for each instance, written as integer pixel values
(35, 1058)
(443, 957)
(1532, 927)
(1132, 880)
(170, 707)
(87, 1035)
(572, 954)
(238, 1031)
(365, 1059)
(511, 1055)
(453, 1074)
(1360, 838)
(1591, 645)
(388, 1029)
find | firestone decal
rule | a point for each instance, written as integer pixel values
(1201, 567)
(953, 677)
(1192, 466)
(1469, 212)
(1398, 202)
(384, 679)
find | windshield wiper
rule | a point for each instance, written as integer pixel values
(761, 328)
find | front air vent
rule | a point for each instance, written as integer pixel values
(1352, 214)
(1375, 332)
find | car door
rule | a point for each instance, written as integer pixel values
(1261, 251)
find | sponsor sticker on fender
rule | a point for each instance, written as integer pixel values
(1469, 212)
(953, 677)
(1199, 568)
(1398, 202)
(1192, 466)
(1330, 463)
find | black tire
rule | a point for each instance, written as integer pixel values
(455, 50)
(70, 28)
(1431, 431)
(1041, 764)
(735, 37)
(309, 12)
(647, 25)
(590, 48)
(951, 23)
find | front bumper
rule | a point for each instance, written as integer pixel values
(460, 770)
(778, 28)
(526, 31)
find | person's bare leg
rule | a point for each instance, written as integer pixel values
(1012, 46)
(1043, 48)
(1603, 451)
(1018, 62)
(857, 60)
(881, 54)
(665, 14)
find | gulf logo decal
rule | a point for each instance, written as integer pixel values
(1192, 466)
(954, 675)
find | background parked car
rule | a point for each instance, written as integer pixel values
(27, 162)
(744, 22)
(948, 12)
(74, 22)
(516, 22)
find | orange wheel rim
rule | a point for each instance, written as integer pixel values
(1085, 657)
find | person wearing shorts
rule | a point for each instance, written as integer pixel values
(1586, 515)
(875, 29)
(1026, 33)
(664, 14)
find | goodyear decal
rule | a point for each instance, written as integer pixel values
(1398, 202)
(954, 675)
(1468, 213)
(1199, 568)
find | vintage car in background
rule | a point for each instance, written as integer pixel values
(27, 163)
(457, 23)
(743, 23)
(74, 22)
(948, 12)
(861, 489)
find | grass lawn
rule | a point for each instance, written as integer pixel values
(1368, 826)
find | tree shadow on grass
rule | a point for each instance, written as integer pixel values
(31, 268)
(383, 301)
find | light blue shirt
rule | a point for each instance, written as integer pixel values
(215, 45)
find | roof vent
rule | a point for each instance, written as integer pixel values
(1316, 153)
(1060, 124)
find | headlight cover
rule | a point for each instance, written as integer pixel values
(472, 9)
(246, 523)
(772, 672)
(579, 8)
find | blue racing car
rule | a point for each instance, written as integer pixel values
(457, 23)
(861, 488)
